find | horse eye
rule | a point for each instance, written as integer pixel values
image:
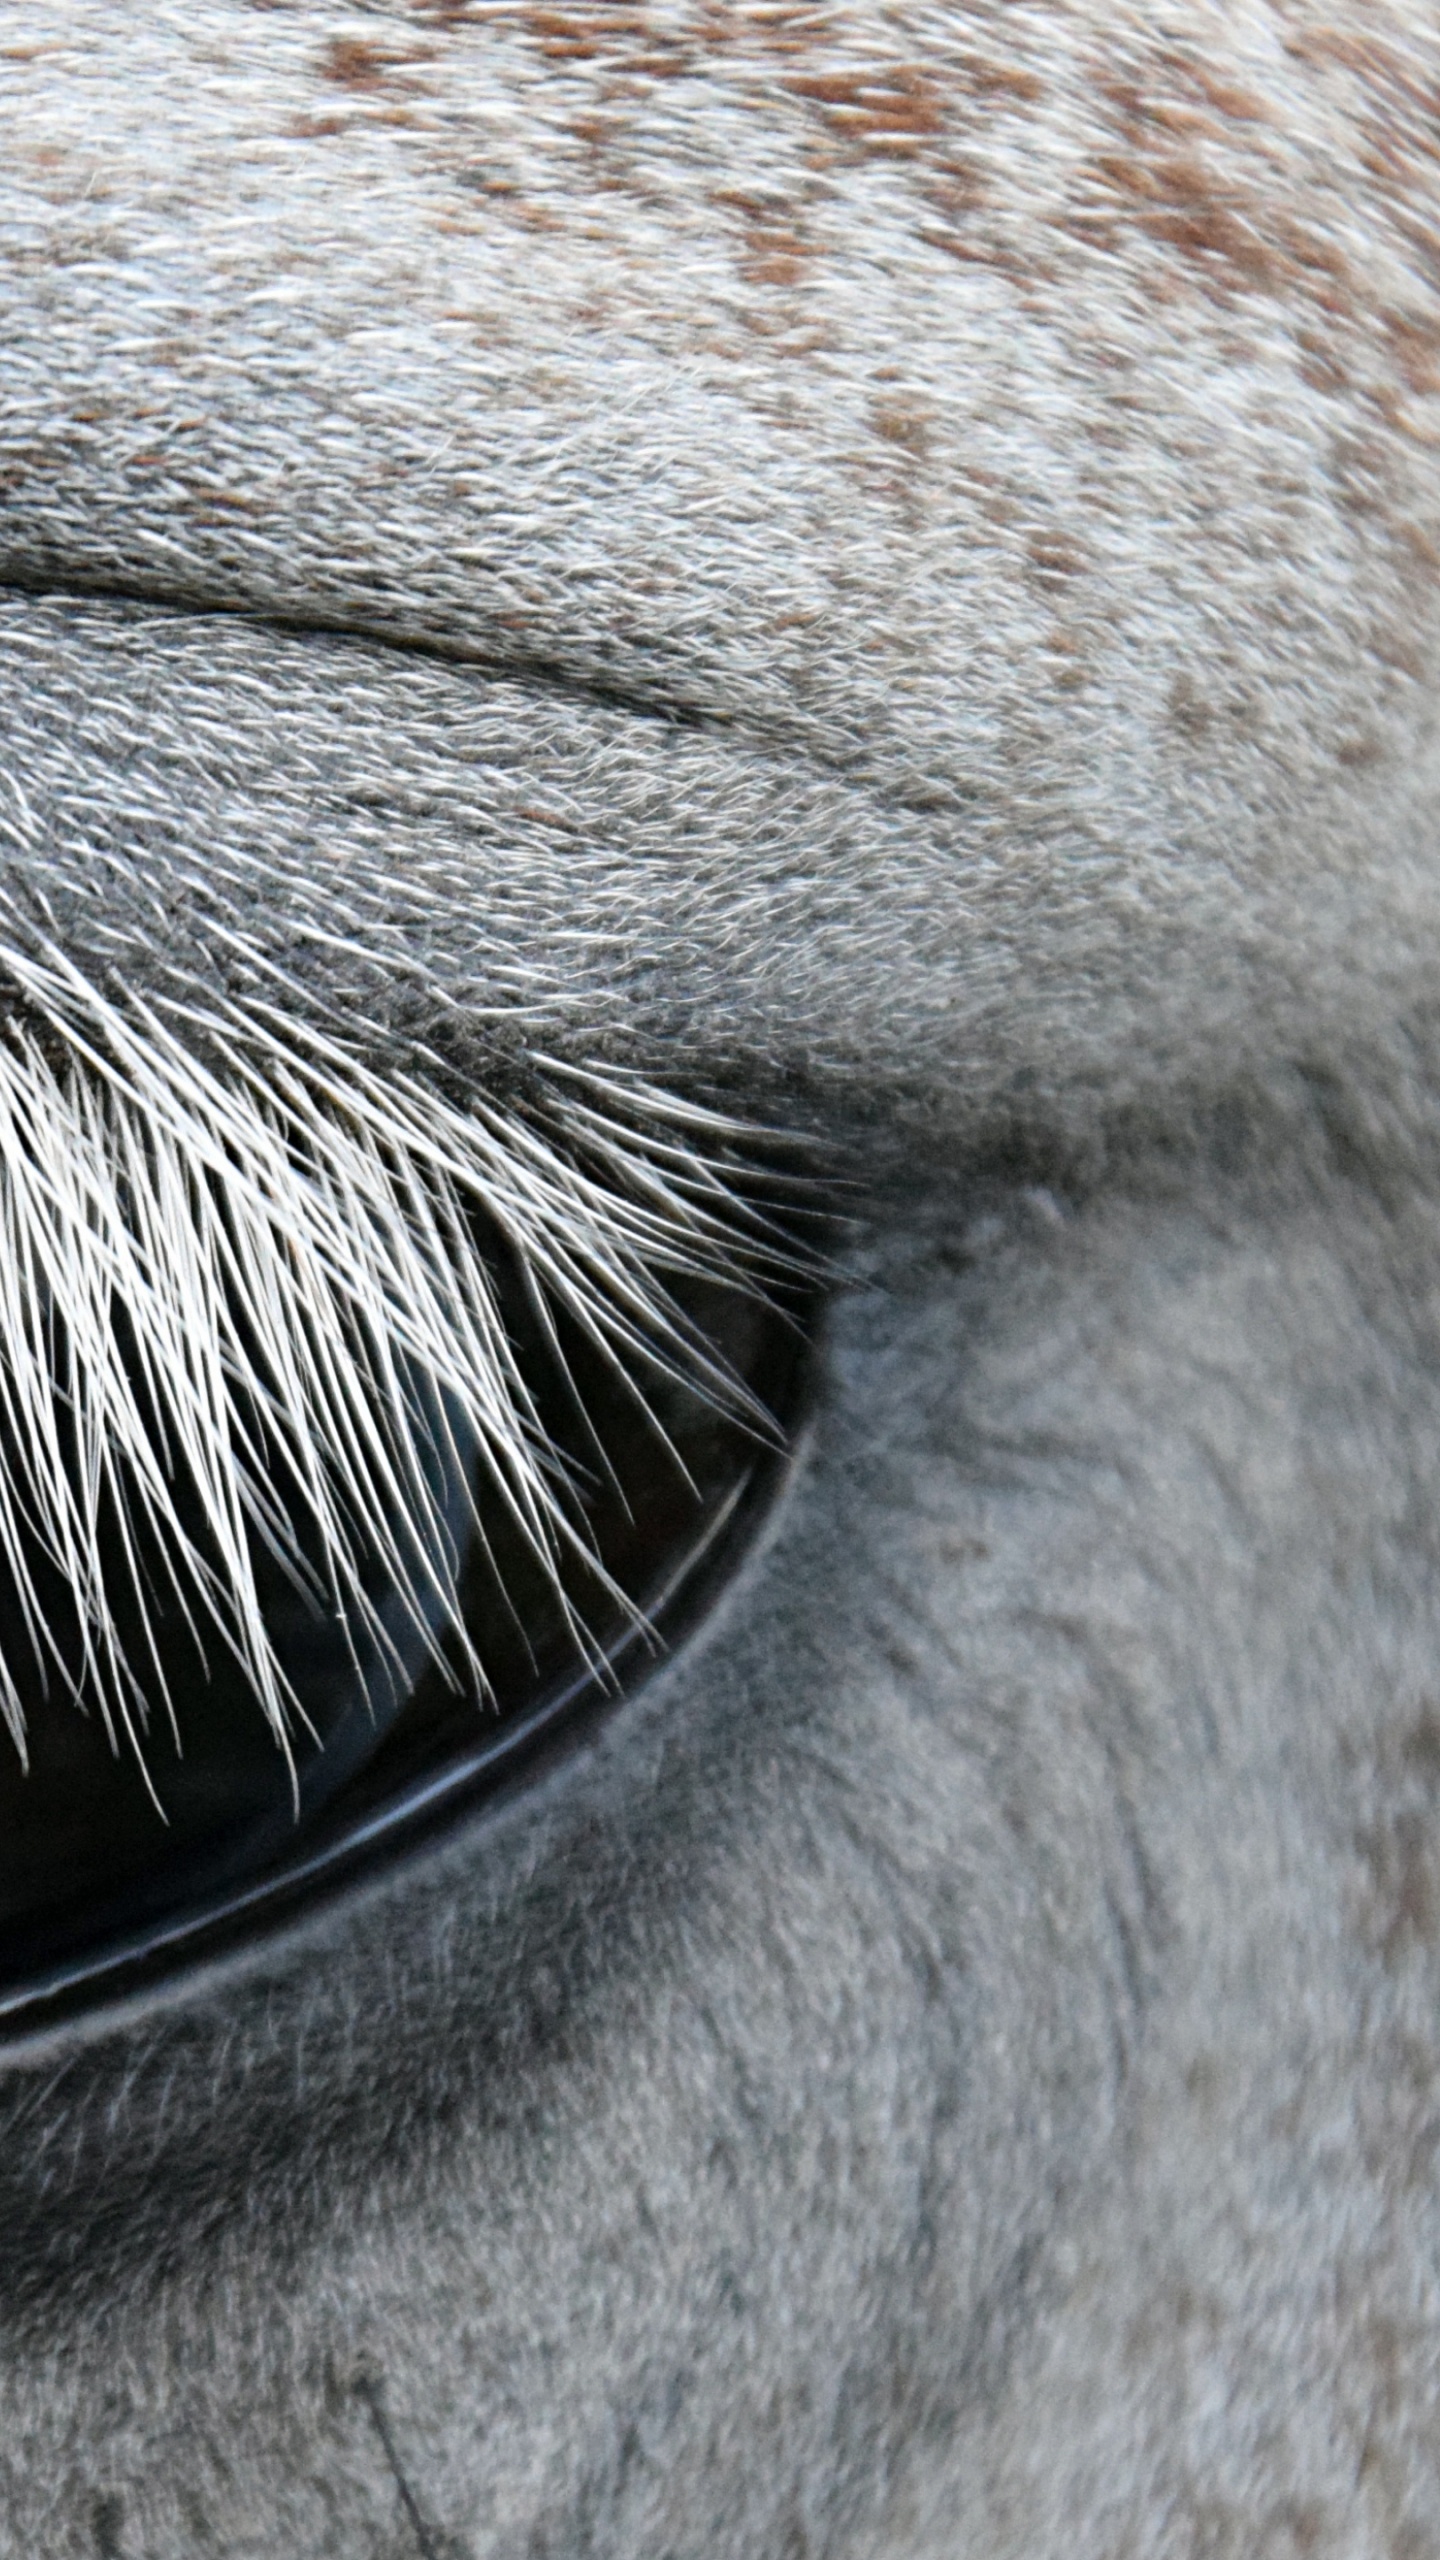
(157, 1806)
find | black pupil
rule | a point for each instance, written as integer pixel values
(96, 1875)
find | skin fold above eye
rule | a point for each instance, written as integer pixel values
(1009, 496)
(870, 569)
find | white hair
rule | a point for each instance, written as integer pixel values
(212, 1213)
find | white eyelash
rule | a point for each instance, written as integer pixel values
(169, 1169)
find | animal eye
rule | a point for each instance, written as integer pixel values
(356, 1444)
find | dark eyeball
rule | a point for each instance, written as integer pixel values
(124, 1852)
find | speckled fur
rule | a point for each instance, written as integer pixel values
(881, 563)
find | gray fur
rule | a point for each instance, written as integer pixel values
(879, 563)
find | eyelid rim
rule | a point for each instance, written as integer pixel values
(162, 1963)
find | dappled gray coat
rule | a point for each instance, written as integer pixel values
(879, 566)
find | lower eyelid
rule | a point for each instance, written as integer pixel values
(426, 1990)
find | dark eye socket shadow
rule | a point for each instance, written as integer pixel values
(156, 1903)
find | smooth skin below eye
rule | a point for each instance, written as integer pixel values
(884, 562)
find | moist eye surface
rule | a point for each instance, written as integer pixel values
(151, 1805)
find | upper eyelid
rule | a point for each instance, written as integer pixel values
(426, 852)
